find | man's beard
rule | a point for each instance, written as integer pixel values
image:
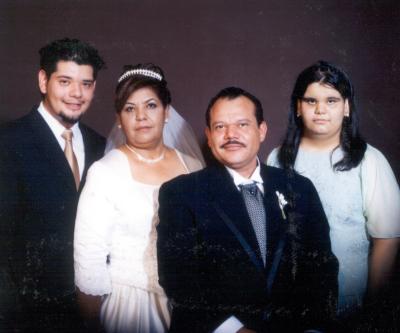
(70, 120)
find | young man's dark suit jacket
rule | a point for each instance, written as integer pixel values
(38, 201)
(209, 261)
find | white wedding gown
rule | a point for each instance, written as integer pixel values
(115, 246)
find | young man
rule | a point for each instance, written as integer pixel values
(44, 159)
(243, 247)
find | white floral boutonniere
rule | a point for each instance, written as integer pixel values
(282, 203)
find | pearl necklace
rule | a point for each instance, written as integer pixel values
(144, 159)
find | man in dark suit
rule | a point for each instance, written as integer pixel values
(44, 157)
(243, 247)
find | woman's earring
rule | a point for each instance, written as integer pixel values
(119, 126)
(298, 115)
(166, 120)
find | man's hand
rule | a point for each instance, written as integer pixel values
(245, 330)
(90, 310)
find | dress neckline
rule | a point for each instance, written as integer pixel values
(155, 186)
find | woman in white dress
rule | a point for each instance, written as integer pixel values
(115, 237)
(357, 187)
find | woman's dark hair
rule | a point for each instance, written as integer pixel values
(131, 83)
(351, 142)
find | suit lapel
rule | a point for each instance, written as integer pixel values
(230, 206)
(276, 225)
(49, 149)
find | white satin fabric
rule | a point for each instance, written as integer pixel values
(115, 246)
(129, 309)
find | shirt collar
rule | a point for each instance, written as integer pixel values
(238, 179)
(56, 127)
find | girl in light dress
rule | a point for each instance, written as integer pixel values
(357, 187)
(115, 237)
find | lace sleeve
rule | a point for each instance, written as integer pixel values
(92, 234)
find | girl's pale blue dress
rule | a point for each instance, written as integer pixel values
(361, 203)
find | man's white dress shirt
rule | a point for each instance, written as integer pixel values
(232, 324)
(58, 129)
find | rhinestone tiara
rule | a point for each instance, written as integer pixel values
(143, 72)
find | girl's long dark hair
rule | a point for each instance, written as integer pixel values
(351, 142)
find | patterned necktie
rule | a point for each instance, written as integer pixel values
(70, 156)
(253, 199)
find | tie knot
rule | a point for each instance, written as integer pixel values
(251, 188)
(67, 135)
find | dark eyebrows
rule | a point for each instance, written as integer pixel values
(66, 77)
(308, 99)
(150, 100)
(216, 123)
(239, 121)
(247, 120)
(145, 102)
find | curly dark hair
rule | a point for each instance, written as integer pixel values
(69, 50)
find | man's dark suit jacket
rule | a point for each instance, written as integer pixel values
(38, 201)
(210, 265)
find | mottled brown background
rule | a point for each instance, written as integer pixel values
(206, 45)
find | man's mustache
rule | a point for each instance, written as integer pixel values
(232, 142)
